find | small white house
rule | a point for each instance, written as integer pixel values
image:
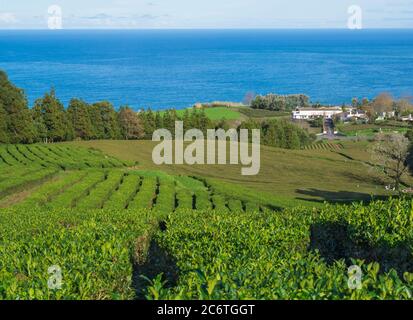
(408, 118)
(385, 115)
(353, 113)
(312, 113)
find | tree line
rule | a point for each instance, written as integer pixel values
(275, 102)
(50, 121)
(281, 133)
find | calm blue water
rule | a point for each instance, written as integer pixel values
(178, 68)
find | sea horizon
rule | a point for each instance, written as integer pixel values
(176, 68)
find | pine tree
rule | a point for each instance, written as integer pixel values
(108, 120)
(18, 118)
(40, 126)
(186, 120)
(54, 117)
(158, 120)
(149, 123)
(80, 119)
(204, 122)
(94, 114)
(4, 136)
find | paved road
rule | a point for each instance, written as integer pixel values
(329, 127)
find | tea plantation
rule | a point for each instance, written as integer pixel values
(116, 232)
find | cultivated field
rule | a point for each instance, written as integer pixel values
(116, 227)
(332, 172)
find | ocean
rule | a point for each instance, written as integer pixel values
(177, 68)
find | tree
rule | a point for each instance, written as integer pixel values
(249, 97)
(204, 121)
(403, 107)
(365, 102)
(130, 124)
(18, 117)
(148, 121)
(187, 120)
(96, 121)
(390, 156)
(355, 102)
(277, 102)
(40, 126)
(159, 120)
(4, 136)
(79, 119)
(53, 113)
(105, 121)
(169, 118)
(382, 103)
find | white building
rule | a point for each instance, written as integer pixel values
(385, 115)
(408, 118)
(312, 113)
(353, 113)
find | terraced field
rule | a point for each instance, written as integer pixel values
(325, 146)
(86, 212)
(60, 156)
(104, 224)
(118, 189)
(58, 176)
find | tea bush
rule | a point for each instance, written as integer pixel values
(125, 193)
(93, 250)
(284, 255)
(64, 157)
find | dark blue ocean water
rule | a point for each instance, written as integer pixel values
(178, 68)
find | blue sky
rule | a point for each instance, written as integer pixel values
(27, 14)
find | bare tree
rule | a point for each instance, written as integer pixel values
(382, 103)
(390, 153)
(131, 125)
(249, 96)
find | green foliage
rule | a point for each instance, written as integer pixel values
(92, 248)
(262, 113)
(22, 180)
(4, 136)
(280, 133)
(64, 157)
(99, 195)
(53, 116)
(271, 255)
(276, 102)
(146, 194)
(79, 116)
(165, 201)
(20, 127)
(47, 192)
(71, 197)
(191, 118)
(233, 246)
(125, 193)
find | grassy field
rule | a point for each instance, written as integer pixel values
(104, 216)
(290, 176)
(218, 113)
(240, 113)
(370, 130)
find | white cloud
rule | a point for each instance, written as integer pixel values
(7, 18)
